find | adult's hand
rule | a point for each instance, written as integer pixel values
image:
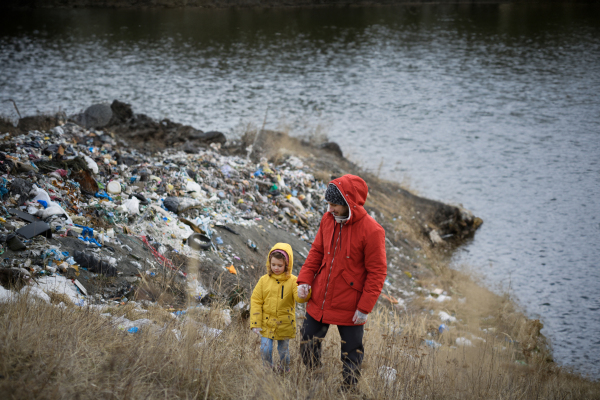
(303, 290)
(359, 318)
(256, 330)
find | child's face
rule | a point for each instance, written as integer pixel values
(277, 265)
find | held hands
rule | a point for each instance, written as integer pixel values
(303, 290)
(256, 330)
(359, 318)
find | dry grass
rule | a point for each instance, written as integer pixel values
(50, 352)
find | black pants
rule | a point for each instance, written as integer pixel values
(352, 347)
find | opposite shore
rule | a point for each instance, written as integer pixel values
(142, 4)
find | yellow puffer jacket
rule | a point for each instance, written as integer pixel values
(273, 302)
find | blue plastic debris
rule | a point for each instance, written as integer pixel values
(442, 328)
(258, 173)
(44, 203)
(133, 329)
(103, 195)
(432, 344)
(251, 245)
(3, 189)
(219, 240)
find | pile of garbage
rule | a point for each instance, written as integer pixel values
(88, 217)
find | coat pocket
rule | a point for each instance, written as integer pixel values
(320, 281)
(347, 293)
(323, 264)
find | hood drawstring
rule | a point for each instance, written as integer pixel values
(349, 240)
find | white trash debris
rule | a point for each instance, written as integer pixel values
(6, 295)
(131, 206)
(387, 373)
(113, 187)
(445, 317)
(33, 291)
(461, 341)
(91, 164)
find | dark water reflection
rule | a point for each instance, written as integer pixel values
(496, 107)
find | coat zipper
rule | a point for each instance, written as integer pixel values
(331, 267)
(281, 291)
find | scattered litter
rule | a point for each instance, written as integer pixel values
(251, 245)
(387, 373)
(34, 229)
(231, 269)
(198, 241)
(433, 344)
(113, 187)
(97, 222)
(461, 341)
(35, 292)
(445, 317)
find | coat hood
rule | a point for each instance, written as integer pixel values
(355, 192)
(288, 249)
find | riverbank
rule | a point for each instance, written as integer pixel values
(171, 317)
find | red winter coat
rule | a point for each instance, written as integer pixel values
(354, 278)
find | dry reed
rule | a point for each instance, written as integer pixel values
(52, 352)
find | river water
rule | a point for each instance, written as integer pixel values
(496, 107)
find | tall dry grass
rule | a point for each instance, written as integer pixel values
(51, 352)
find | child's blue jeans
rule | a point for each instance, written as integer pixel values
(266, 351)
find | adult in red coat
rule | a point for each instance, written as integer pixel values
(345, 270)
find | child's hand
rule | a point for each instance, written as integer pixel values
(359, 318)
(303, 290)
(256, 330)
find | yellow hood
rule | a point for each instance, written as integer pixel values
(288, 249)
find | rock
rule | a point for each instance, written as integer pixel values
(190, 148)
(213, 137)
(122, 112)
(435, 238)
(95, 116)
(37, 123)
(334, 148)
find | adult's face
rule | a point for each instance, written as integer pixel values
(338, 210)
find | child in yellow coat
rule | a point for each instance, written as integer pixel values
(273, 305)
